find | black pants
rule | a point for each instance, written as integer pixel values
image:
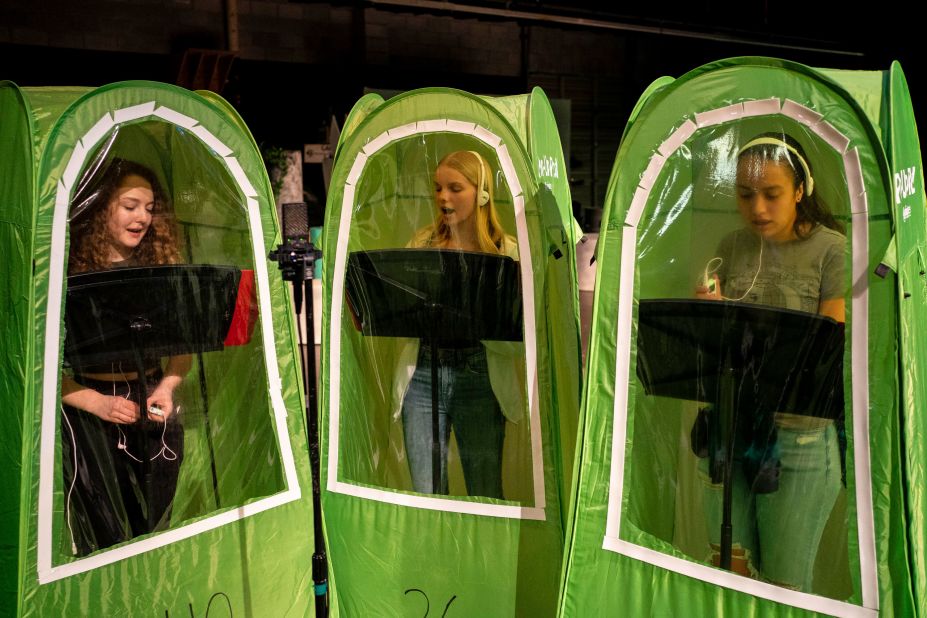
(116, 498)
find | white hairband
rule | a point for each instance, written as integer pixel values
(774, 141)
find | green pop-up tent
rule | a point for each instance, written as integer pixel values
(643, 523)
(238, 536)
(394, 550)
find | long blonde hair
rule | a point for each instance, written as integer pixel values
(489, 232)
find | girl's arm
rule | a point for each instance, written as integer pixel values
(110, 408)
(163, 394)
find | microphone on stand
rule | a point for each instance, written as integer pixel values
(296, 256)
(296, 259)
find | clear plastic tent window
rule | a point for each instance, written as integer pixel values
(167, 377)
(749, 404)
(392, 325)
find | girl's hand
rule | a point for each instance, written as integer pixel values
(163, 394)
(162, 398)
(704, 292)
(115, 410)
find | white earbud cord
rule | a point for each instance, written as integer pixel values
(166, 452)
(67, 502)
(165, 449)
(121, 444)
(710, 271)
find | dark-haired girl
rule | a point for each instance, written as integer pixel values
(789, 254)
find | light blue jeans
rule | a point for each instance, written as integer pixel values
(781, 531)
(467, 405)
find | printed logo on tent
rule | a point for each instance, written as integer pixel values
(904, 184)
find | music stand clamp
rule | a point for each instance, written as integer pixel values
(710, 351)
(296, 260)
(445, 298)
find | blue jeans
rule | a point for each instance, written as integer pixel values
(467, 404)
(779, 532)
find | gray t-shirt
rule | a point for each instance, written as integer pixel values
(796, 274)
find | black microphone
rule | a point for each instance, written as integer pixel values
(296, 256)
(295, 222)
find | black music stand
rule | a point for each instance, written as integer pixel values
(136, 316)
(716, 352)
(445, 298)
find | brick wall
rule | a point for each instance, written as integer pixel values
(442, 42)
(335, 48)
(269, 29)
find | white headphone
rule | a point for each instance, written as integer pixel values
(773, 141)
(483, 197)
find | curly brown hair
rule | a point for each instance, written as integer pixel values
(89, 237)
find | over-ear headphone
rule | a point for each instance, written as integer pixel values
(773, 141)
(482, 197)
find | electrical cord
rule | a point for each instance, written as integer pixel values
(67, 502)
(709, 271)
(166, 452)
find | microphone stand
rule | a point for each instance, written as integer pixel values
(296, 260)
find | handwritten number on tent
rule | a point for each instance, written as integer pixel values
(228, 603)
(428, 603)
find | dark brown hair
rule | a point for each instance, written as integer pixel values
(811, 210)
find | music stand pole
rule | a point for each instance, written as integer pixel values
(204, 395)
(440, 297)
(124, 316)
(694, 340)
(138, 327)
(436, 487)
(727, 387)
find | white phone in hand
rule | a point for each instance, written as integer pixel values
(709, 280)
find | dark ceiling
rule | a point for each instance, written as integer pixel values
(830, 28)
